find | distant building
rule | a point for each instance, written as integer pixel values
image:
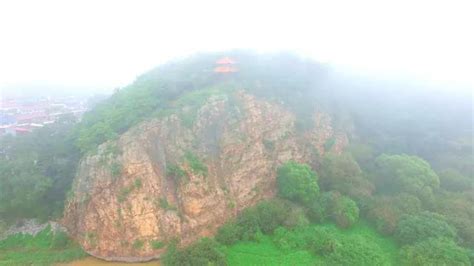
(225, 65)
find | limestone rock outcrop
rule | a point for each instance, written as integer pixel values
(164, 180)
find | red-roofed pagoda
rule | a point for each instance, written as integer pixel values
(225, 65)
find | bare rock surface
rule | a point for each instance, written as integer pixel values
(141, 191)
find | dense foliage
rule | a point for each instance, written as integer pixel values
(434, 251)
(297, 182)
(204, 252)
(419, 227)
(404, 173)
(342, 173)
(36, 171)
(263, 218)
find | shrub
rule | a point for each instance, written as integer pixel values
(271, 214)
(357, 250)
(197, 166)
(176, 172)
(115, 169)
(345, 212)
(329, 143)
(138, 244)
(262, 218)
(434, 251)
(164, 204)
(157, 244)
(204, 252)
(138, 183)
(59, 240)
(453, 180)
(229, 233)
(419, 227)
(269, 145)
(124, 192)
(340, 209)
(386, 211)
(405, 173)
(297, 182)
(287, 240)
(343, 174)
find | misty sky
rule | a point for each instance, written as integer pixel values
(105, 44)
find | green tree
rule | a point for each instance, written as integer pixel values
(418, 227)
(434, 251)
(405, 173)
(297, 182)
(453, 180)
(458, 209)
(345, 212)
(342, 173)
(340, 209)
(386, 211)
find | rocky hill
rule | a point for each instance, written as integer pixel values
(167, 179)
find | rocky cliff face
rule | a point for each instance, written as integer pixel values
(163, 180)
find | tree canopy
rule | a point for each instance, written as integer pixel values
(297, 182)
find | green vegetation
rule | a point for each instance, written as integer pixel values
(164, 204)
(45, 248)
(404, 173)
(138, 244)
(204, 252)
(297, 182)
(137, 183)
(419, 227)
(176, 172)
(278, 231)
(36, 171)
(265, 252)
(342, 173)
(269, 144)
(197, 166)
(157, 244)
(434, 251)
(115, 169)
(329, 143)
(287, 243)
(408, 171)
(334, 207)
(125, 191)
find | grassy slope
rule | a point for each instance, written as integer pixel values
(265, 252)
(45, 248)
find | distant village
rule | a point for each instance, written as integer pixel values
(22, 115)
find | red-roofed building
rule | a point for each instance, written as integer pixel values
(225, 65)
(225, 61)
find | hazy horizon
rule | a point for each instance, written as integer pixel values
(99, 46)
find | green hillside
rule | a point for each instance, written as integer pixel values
(400, 194)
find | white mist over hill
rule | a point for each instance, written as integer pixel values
(106, 44)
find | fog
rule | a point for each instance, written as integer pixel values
(101, 45)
